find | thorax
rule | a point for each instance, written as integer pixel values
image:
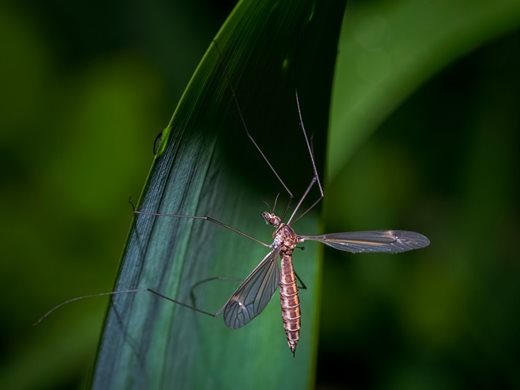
(285, 238)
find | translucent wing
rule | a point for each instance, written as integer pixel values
(255, 292)
(389, 241)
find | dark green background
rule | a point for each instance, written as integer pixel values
(85, 88)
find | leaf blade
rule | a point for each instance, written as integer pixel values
(200, 170)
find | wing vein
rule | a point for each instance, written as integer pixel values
(255, 292)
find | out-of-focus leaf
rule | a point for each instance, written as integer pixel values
(207, 166)
(387, 49)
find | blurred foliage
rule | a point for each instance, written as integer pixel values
(86, 86)
(445, 163)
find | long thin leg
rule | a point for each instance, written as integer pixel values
(200, 282)
(275, 202)
(308, 144)
(303, 286)
(75, 299)
(313, 181)
(246, 128)
(309, 208)
(137, 290)
(206, 218)
(316, 177)
(181, 303)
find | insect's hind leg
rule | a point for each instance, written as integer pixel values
(193, 297)
(303, 286)
(181, 303)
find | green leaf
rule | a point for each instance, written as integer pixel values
(205, 165)
(388, 49)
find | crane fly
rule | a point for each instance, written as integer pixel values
(255, 292)
(257, 289)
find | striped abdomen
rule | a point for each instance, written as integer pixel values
(290, 302)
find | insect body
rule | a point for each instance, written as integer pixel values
(256, 290)
(289, 299)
